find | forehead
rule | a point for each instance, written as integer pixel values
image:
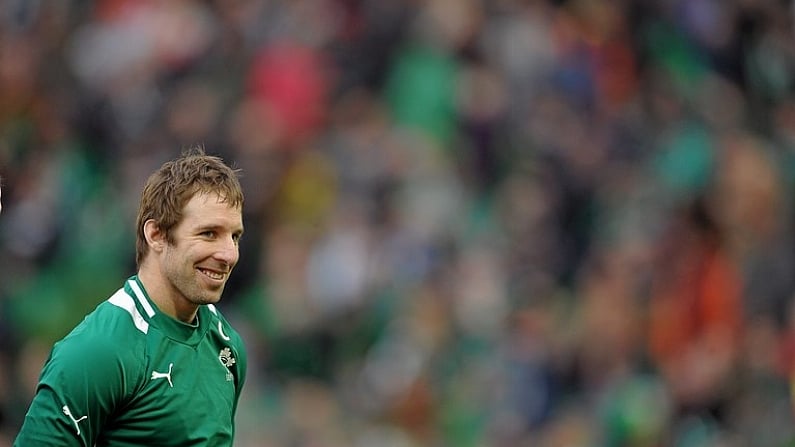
(210, 209)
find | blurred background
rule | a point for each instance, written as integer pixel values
(469, 223)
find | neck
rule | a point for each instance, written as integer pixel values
(167, 299)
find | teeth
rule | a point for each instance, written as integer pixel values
(213, 275)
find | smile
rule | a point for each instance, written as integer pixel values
(212, 275)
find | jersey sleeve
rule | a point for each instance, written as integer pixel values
(242, 365)
(82, 383)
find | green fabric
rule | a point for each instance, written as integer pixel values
(129, 375)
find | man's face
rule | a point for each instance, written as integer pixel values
(205, 249)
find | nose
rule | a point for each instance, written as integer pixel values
(227, 252)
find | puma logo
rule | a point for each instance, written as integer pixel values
(160, 375)
(68, 413)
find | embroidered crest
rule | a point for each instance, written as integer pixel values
(225, 356)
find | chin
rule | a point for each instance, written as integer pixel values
(203, 300)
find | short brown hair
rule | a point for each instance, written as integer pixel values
(173, 185)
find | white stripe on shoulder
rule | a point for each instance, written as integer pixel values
(220, 323)
(123, 300)
(141, 298)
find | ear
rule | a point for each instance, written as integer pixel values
(155, 238)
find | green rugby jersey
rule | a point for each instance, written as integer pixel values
(129, 375)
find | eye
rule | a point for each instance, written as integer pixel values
(209, 234)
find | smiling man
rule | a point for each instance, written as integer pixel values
(156, 363)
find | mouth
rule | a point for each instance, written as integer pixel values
(212, 274)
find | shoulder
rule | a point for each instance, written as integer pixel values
(222, 327)
(94, 371)
(107, 337)
(98, 360)
(115, 321)
(224, 337)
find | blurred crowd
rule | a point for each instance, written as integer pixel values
(469, 223)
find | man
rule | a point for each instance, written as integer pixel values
(156, 364)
